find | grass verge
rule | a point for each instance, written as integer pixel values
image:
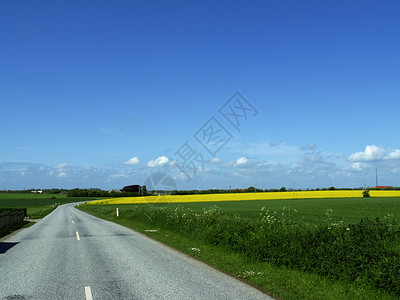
(278, 281)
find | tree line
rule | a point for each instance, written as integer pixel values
(99, 193)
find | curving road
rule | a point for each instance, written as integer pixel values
(72, 255)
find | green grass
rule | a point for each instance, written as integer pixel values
(38, 205)
(225, 243)
(309, 211)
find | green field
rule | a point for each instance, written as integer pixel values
(305, 211)
(38, 205)
(294, 249)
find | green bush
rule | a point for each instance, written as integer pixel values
(8, 225)
(367, 252)
(7, 210)
(365, 193)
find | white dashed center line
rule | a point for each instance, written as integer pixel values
(77, 235)
(88, 293)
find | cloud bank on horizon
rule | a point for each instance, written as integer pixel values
(312, 170)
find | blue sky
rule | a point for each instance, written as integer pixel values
(105, 93)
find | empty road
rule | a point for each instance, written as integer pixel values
(72, 255)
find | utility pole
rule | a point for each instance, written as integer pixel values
(294, 187)
(376, 177)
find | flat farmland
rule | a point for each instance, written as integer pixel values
(306, 211)
(247, 196)
(317, 248)
(38, 205)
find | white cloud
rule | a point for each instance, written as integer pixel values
(242, 161)
(133, 161)
(312, 163)
(62, 174)
(159, 162)
(394, 155)
(215, 160)
(229, 164)
(357, 166)
(375, 153)
(60, 166)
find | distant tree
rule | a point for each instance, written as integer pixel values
(332, 188)
(283, 189)
(251, 189)
(92, 194)
(144, 191)
(104, 194)
(366, 194)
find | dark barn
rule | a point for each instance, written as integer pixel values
(133, 189)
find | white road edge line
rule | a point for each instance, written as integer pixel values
(77, 235)
(88, 293)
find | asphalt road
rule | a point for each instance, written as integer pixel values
(72, 255)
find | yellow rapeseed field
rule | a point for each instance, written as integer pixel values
(244, 197)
